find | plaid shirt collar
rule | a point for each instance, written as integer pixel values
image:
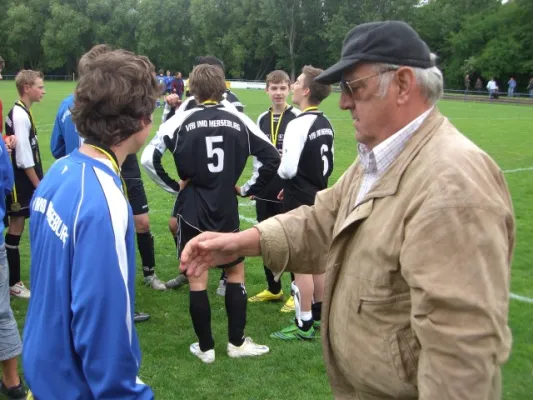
(378, 159)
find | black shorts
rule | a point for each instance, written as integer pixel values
(18, 202)
(186, 232)
(134, 185)
(266, 209)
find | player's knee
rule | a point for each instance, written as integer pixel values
(235, 274)
(142, 223)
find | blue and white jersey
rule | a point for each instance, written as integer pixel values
(80, 340)
(65, 138)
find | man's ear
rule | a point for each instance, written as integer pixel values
(406, 81)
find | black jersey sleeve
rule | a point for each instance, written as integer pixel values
(165, 138)
(266, 157)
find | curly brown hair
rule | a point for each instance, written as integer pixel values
(114, 96)
(85, 60)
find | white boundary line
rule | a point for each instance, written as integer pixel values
(523, 299)
(510, 171)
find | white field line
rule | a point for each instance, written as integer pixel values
(510, 171)
(523, 299)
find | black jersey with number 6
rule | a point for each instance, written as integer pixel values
(211, 145)
(307, 160)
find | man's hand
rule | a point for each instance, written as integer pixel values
(238, 190)
(11, 143)
(280, 195)
(183, 184)
(173, 100)
(210, 249)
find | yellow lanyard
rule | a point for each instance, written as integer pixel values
(274, 133)
(311, 109)
(115, 166)
(209, 103)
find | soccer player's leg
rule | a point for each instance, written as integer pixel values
(145, 239)
(303, 326)
(18, 209)
(318, 296)
(174, 228)
(199, 307)
(235, 301)
(264, 210)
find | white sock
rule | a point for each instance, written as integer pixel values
(306, 315)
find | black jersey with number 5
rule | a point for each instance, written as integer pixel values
(211, 145)
(307, 160)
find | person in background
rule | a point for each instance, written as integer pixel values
(28, 169)
(178, 85)
(512, 86)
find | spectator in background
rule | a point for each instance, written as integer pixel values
(2, 65)
(530, 87)
(512, 86)
(162, 88)
(178, 85)
(492, 88)
(168, 82)
(467, 83)
(479, 85)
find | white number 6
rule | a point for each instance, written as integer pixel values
(323, 150)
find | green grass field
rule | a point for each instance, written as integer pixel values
(296, 370)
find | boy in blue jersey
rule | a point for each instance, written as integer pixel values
(65, 139)
(82, 244)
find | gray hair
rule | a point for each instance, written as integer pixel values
(429, 79)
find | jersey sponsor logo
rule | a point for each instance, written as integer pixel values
(213, 123)
(65, 115)
(320, 132)
(52, 217)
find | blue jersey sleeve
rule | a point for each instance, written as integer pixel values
(57, 141)
(6, 170)
(102, 324)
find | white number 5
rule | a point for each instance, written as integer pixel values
(212, 152)
(323, 150)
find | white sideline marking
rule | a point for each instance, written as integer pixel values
(523, 299)
(250, 220)
(510, 171)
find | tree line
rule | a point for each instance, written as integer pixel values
(480, 37)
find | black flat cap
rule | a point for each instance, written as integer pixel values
(389, 42)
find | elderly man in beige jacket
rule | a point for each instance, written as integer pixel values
(417, 237)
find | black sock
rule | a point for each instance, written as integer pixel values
(273, 286)
(13, 258)
(316, 309)
(292, 277)
(223, 276)
(175, 240)
(201, 318)
(145, 243)
(236, 300)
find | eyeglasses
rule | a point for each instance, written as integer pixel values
(346, 86)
